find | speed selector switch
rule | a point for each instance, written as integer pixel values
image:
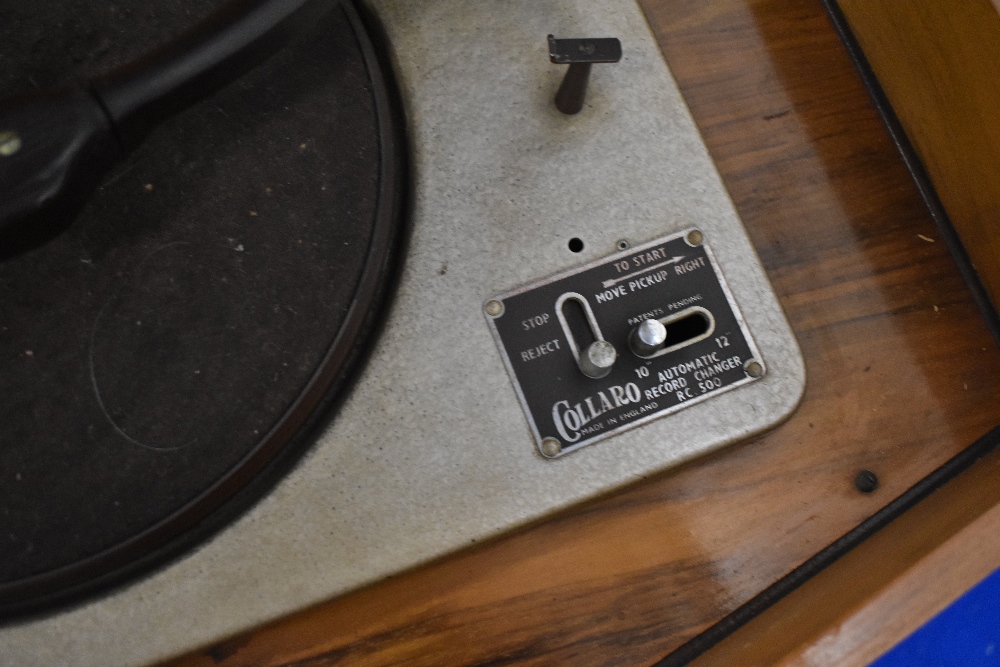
(647, 338)
(594, 355)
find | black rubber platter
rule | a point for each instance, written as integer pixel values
(163, 361)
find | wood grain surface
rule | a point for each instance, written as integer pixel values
(902, 374)
(874, 596)
(937, 61)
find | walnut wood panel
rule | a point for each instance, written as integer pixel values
(872, 598)
(937, 61)
(902, 374)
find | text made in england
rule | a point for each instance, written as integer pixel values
(572, 421)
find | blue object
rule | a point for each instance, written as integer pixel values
(965, 634)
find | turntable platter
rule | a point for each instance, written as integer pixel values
(168, 357)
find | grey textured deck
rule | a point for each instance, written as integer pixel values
(432, 451)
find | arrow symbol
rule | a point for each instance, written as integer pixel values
(611, 283)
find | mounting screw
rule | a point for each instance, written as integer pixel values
(494, 308)
(623, 244)
(695, 238)
(551, 447)
(866, 481)
(580, 54)
(10, 143)
(754, 369)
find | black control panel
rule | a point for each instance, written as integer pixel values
(619, 342)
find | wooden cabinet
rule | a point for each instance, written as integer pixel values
(937, 62)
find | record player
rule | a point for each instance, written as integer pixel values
(378, 299)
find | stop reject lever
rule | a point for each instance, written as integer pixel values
(597, 359)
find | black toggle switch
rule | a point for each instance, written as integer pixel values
(580, 54)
